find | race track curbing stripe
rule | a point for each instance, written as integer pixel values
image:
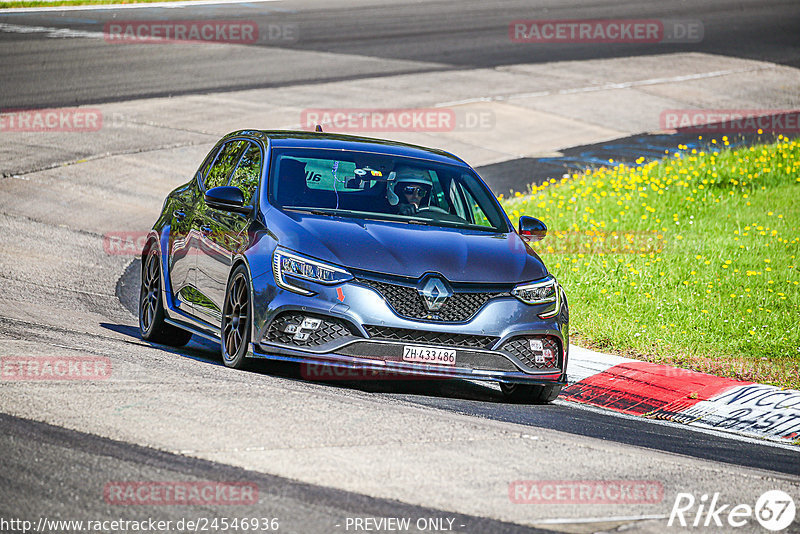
(642, 388)
(668, 393)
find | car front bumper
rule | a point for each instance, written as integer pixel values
(362, 337)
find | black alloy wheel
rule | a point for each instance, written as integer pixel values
(152, 326)
(236, 320)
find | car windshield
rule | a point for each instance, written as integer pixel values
(380, 186)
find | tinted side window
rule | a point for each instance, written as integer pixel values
(478, 216)
(226, 161)
(203, 170)
(248, 172)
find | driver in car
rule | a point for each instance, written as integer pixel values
(410, 190)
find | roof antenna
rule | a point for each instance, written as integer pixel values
(318, 128)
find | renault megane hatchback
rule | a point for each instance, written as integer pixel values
(354, 253)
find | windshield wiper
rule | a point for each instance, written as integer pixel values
(348, 213)
(365, 215)
(313, 211)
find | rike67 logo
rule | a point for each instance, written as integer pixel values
(774, 510)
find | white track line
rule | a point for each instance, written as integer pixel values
(567, 521)
(165, 5)
(58, 33)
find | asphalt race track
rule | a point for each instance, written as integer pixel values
(307, 507)
(387, 38)
(322, 454)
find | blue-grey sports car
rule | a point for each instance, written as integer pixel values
(353, 253)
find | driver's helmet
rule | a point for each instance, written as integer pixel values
(410, 177)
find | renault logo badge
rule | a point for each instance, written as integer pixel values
(434, 294)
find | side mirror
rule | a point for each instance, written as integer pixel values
(227, 198)
(531, 229)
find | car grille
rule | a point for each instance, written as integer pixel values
(384, 333)
(407, 302)
(521, 348)
(329, 329)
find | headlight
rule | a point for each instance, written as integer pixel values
(292, 264)
(540, 292)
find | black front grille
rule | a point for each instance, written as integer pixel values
(328, 329)
(407, 302)
(521, 348)
(384, 333)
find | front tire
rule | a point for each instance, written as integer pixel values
(530, 393)
(152, 326)
(236, 320)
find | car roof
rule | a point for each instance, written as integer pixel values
(296, 139)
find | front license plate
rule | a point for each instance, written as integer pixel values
(415, 353)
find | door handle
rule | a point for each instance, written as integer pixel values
(179, 215)
(206, 230)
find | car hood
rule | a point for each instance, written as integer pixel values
(460, 255)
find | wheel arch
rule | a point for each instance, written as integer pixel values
(239, 260)
(150, 241)
(159, 241)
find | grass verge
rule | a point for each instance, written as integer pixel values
(688, 261)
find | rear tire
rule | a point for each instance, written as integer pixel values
(236, 320)
(529, 393)
(151, 308)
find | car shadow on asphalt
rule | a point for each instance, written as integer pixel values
(198, 349)
(205, 351)
(445, 388)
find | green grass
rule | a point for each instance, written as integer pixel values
(57, 3)
(702, 272)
